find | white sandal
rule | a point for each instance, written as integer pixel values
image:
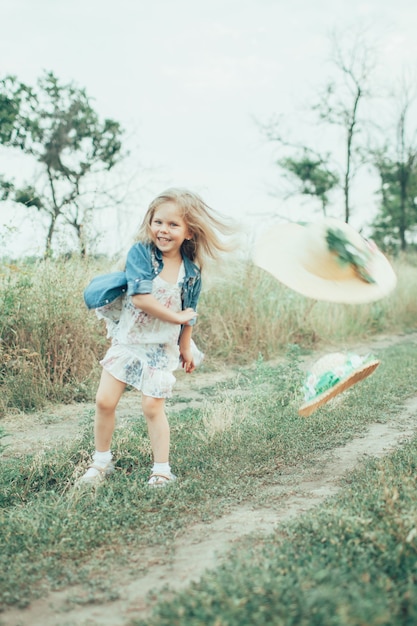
(161, 480)
(98, 476)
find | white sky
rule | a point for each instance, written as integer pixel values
(187, 78)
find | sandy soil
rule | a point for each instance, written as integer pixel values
(202, 546)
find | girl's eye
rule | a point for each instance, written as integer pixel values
(173, 224)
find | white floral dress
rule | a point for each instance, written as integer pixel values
(144, 350)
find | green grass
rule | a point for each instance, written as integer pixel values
(54, 535)
(351, 563)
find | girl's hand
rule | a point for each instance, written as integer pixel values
(186, 316)
(187, 361)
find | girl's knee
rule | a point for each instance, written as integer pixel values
(105, 402)
(152, 407)
(109, 392)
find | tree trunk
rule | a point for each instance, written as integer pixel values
(402, 223)
(349, 144)
(48, 243)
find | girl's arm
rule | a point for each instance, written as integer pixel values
(185, 349)
(187, 357)
(148, 303)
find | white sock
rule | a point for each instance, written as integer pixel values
(161, 468)
(102, 458)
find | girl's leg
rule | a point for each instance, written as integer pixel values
(108, 395)
(158, 427)
(107, 398)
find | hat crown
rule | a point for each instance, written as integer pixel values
(331, 248)
(329, 362)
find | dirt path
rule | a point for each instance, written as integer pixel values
(204, 546)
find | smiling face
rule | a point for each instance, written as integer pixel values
(169, 229)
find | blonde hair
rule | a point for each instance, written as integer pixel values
(203, 222)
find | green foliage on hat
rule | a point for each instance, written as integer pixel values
(348, 254)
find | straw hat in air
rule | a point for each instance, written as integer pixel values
(326, 260)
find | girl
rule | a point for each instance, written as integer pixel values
(151, 319)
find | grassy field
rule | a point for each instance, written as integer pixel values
(351, 562)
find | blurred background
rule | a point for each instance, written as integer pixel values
(271, 110)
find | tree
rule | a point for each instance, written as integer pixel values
(338, 104)
(396, 164)
(312, 175)
(56, 125)
(397, 213)
(341, 99)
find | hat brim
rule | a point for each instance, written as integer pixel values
(278, 252)
(357, 375)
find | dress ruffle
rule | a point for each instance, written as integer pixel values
(148, 368)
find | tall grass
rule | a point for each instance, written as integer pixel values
(245, 312)
(50, 344)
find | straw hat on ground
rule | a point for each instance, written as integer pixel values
(326, 260)
(333, 374)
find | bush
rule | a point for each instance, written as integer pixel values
(50, 344)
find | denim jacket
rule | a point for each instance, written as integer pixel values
(144, 262)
